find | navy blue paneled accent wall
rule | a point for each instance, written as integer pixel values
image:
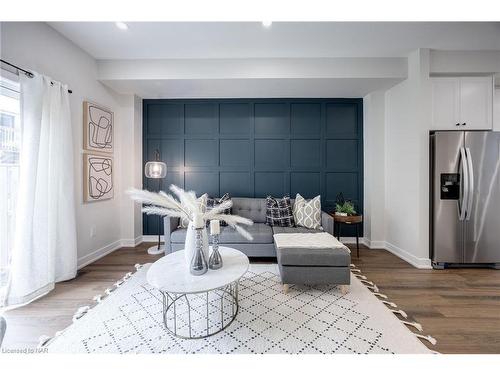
(257, 147)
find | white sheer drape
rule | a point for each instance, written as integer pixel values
(45, 237)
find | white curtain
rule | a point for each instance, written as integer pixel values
(45, 236)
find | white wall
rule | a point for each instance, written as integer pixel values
(374, 170)
(406, 163)
(469, 62)
(38, 47)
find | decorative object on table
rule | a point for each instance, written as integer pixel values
(97, 177)
(97, 128)
(215, 260)
(199, 265)
(279, 212)
(156, 170)
(355, 220)
(202, 205)
(212, 202)
(307, 213)
(344, 207)
(186, 206)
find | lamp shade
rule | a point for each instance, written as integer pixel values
(155, 169)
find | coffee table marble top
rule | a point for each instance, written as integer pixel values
(171, 273)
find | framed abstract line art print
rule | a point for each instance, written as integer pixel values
(97, 177)
(98, 123)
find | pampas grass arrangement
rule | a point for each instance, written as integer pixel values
(187, 207)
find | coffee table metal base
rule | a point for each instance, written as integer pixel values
(215, 321)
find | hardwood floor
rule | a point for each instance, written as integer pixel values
(459, 307)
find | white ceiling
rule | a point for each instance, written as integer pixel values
(168, 40)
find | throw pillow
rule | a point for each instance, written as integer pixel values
(307, 213)
(212, 202)
(279, 212)
(202, 202)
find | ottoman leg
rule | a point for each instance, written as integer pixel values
(344, 289)
(286, 287)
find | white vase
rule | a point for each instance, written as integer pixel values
(190, 243)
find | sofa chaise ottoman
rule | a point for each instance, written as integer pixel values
(317, 258)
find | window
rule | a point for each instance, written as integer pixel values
(10, 142)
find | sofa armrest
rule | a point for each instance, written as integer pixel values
(169, 225)
(327, 223)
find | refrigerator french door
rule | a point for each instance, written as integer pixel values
(465, 198)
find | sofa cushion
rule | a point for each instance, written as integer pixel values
(307, 213)
(261, 234)
(279, 212)
(250, 208)
(277, 230)
(313, 257)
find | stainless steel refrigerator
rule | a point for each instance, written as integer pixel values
(465, 198)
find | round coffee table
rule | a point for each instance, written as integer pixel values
(198, 306)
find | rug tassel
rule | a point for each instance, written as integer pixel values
(138, 266)
(356, 270)
(360, 277)
(97, 298)
(43, 340)
(392, 304)
(418, 326)
(380, 295)
(367, 282)
(372, 287)
(80, 312)
(108, 291)
(429, 338)
(118, 283)
(400, 312)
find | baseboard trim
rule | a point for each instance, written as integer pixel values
(97, 254)
(423, 263)
(374, 244)
(132, 242)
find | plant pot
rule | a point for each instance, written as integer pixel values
(341, 214)
(190, 243)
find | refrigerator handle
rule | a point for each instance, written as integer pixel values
(470, 173)
(464, 176)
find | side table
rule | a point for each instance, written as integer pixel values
(355, 220)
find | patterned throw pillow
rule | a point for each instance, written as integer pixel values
(307, 213)
(279, 212)
(212, 202)
(202, 201)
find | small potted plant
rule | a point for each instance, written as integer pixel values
(344, 207)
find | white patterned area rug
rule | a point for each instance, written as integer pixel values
(306, 320)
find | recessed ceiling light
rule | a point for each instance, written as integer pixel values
(267, 24)
(121, 25)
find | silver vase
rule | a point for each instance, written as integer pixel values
(215, 260)
(199, 264)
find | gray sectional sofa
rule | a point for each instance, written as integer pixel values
(296, 265)
(253, 209)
